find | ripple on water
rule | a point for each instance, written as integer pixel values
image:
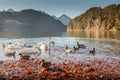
(104, 46)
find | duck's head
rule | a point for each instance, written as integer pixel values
(25, 45)
(14, 52)
(10, 43)
(66, 47)
(43, 60)
(74, 47)
(20, 54)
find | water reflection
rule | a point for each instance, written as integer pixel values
(28, 34)
(79, 34)
(95, 34)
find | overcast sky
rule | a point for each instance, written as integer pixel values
(56, 7)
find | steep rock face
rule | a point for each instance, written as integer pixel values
(30, 20)
(97, 18)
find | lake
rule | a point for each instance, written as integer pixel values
(29, 34)
(95, 34)
(106, 43)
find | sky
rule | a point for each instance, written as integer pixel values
(71, 8)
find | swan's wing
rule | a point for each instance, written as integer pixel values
(27, 50)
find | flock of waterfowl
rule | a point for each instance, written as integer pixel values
(70, 67)
(24, 51)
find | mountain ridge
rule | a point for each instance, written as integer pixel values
(30, 20)
(64, 19)
(97, 18)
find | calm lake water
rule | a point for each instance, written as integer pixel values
(78, 34)
(95, 34)
(106, 43)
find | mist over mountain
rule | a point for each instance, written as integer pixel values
(29, 20)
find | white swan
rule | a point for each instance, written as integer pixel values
(5, 45)
(14, 47)
(44, 46)
(30, 51)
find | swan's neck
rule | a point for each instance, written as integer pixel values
(93, 49)
(49, 43)
(52, 42)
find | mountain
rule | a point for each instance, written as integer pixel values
(30, 20)
(97, 18)
(54, 17)
(10, 10)
(64, 19)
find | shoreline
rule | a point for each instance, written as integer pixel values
(85, 68)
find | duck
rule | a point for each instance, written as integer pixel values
(76, 48)
(1, 62)
(92, 51)
(24, 57)
(15, 46)
(10, 53)
(81, 45)
(28, 46)
(67, 50)
(45, 65)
